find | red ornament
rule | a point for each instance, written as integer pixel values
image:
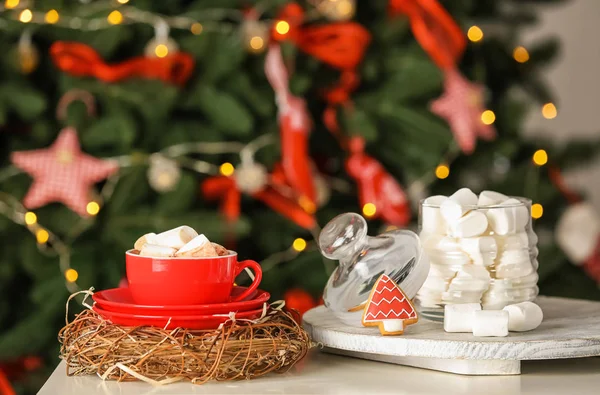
(341, 45)
(5, 387)
(295, 125)
(62, 173)
(388, 308)
(434, 28)
(299, 299)
(462, 105)
(227, 189)
(82, 60)
(377, 186)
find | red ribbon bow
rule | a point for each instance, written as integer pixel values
(377, 186)
(226, 188)
(341, 45)
(81, 60)
(434, 28)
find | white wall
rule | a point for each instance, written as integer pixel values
(575, 80)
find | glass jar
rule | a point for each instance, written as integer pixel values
(496, 267)
(363, 259)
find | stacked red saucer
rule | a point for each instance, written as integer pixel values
(118, 306)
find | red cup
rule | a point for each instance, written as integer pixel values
(184, 281)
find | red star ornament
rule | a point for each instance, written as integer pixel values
(62, 173)
(461, 105)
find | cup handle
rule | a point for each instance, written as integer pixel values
(257, 278)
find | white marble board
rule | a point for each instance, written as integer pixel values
(571, 329)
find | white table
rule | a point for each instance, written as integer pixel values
(321, 373)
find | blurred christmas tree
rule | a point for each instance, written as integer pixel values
(186, 111)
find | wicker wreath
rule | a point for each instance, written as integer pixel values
(237, 350)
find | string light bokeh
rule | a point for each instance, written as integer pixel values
(520, 54)
(475, 34)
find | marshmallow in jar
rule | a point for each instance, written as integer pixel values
(482, 249)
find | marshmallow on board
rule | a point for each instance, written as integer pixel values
(459, 317)
(490, 323)
(524, 316)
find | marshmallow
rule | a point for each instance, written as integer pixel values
(490, 323)
(524, 316)
(491, 198)
(220, 249)
(147, 238)
(429, 299)
(459, 317)
(517, 241)
(447, 272)
(435, 283)
(513, 264)
(473, 271)
(443, 250)
(199, 246)
(511, 219)
(458, 204)
(482, 250)
(514, 259)
(439, 242)
(471, 278)
(535, 264)
(175, 238)
(431, 218)
(472, 224)
(154, 250)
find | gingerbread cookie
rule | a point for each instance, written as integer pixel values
(388, 308)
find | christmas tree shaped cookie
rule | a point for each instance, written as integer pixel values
(388, 308)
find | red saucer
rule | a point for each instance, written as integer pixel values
(183, 321)
(119, 300)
